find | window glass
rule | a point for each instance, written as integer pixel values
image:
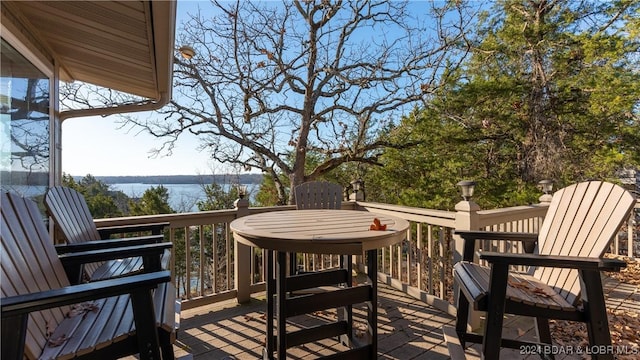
(24, 125)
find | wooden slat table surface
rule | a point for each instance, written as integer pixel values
(343, 232)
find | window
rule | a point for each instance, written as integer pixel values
(24, 125)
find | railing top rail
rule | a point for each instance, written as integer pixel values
(409, 210)
(193, 218)
(259, 210)
(514, 213)
(431, 216)
(419, 215)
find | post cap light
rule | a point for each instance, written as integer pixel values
(546, 186)
(466, 188)
(357, 184)
(242, 191)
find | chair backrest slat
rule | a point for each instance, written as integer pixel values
(29, 264)
(581, 221)
(318, 195)
(70, 212)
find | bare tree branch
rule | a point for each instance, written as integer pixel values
(273, 82)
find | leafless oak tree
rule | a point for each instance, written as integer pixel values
(273, 82)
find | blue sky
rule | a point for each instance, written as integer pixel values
(95, 145)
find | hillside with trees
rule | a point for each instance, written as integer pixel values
(551, 90)
(410, 96)
(103, 202)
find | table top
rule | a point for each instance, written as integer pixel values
(318, 231)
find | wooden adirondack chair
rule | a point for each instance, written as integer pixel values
(44, 317)
(315, 195)
(564, 280)
(72, 217)
(318, 195)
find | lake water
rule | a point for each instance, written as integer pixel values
(182, 197)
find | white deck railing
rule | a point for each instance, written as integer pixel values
(420, 266)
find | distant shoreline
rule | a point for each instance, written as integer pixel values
(181, 179)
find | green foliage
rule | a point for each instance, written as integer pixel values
(216, 198)
(154, 200)
(549, 92)
(554, 90)
(102, 202)
(267, 194)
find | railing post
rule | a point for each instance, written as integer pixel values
(242, 258)
(466, 219)
(357, 194)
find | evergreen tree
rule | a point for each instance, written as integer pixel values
(101, 200)
(155, 200)
(267, 194)
(551, 91)
(216, 198)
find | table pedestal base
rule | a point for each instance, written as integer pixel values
(283, 303)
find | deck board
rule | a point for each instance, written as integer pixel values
(408, 328)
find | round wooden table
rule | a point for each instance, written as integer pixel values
(344, 232)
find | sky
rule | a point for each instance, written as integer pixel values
(95, 145)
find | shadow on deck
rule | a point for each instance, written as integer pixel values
(407, 328)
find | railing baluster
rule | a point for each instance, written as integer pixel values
(202, 259)
(409, 253)
(216, 261)
(187, 261)
(441, 263)
(172, 239)
(383, 260)
(430, 245)
(252, 265)
(227, 238)
(399, 261)
(419, 256)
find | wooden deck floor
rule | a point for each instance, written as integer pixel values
(408, 328)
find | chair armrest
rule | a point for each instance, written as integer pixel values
(470, 237)
(107, 244)
(15, 309)
(84, 257)
(24, 304)
(155, 228)
(495, 235)
(573, 262)
(151, 257)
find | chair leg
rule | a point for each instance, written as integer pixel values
(544, 335)
(293, 263)
(544, 332)
(462, 318)
(145, 322)
(594, 306)
(495, 311)
(166, 346)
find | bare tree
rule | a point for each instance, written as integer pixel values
(273, 82)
